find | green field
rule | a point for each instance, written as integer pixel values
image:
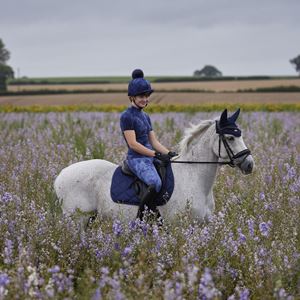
(125, 79)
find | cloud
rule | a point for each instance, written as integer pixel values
(51, 38)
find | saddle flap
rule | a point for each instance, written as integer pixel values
(126, 189)
(125, 169)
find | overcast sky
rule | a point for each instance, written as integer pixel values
(49, 38)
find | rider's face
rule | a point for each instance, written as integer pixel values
(142, 100)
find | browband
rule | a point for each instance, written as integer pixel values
(230, 129)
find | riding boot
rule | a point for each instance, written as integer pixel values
(148, 200)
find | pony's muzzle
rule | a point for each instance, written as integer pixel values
(247, 165)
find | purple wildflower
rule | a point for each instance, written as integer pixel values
(295, 187)
(116, 288)
(6, 197)
(97, 294)
(262, 196)
(127, 250)
(242, 237)
(268, 179)
(8, 251)
(4, 280)
(244, 294)
(117, 228)
(250, 223)
(207, 288)
(178, 290)
(264, 228)
(53, 270)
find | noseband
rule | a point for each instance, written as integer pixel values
(234, 158)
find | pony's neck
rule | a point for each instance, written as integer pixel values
(200, 148)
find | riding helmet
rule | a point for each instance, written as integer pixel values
(139, 85)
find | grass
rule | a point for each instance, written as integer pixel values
(125, 79)
(44, 91)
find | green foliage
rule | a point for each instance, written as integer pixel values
(208, 71)
(4, 53)
(125, 79)
(98, 150)
(273, 89)
(2, 83)
(6, 70)
(296, 61)
(156, 108)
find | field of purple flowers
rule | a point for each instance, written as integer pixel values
(249, 249)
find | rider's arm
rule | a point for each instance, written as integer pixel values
(136, 146)
(156, 144)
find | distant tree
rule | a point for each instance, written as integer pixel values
(4, 53)
(5, 70)
(208, 71)
(296, 61)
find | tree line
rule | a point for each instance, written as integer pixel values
(5, 69)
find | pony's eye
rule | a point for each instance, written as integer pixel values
(230, 138)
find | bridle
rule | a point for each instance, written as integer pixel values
(235, 159)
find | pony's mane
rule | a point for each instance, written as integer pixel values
(193, 131)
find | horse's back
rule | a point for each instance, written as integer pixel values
(79, 184)
(87, 169)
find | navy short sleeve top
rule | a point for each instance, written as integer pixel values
(135, 119)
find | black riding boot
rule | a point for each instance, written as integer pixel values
(148, 200)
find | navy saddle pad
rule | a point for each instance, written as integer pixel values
(123, 188)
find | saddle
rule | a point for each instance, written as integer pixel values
(127, 188)
(139, 186)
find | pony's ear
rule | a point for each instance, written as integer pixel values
(234, 117)
(223, 118)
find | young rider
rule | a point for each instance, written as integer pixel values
(143, 146)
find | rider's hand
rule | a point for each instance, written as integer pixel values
(172, 154)
(162, 157)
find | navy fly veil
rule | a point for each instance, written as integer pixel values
(227, 125)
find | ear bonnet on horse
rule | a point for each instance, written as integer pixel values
(227, 125)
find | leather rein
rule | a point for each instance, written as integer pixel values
(233, 157)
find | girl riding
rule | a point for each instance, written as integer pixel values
(143, 146)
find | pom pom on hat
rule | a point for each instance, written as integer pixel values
(137, 73)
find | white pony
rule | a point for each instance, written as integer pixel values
(85, 186)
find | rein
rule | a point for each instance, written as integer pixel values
(229, 151)
(201, 162)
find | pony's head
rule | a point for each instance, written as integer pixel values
(229, 144)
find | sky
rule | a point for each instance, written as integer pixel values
(53, 38)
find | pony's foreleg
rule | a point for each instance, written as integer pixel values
(84, 219)
(83, 222)
(92, 219)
